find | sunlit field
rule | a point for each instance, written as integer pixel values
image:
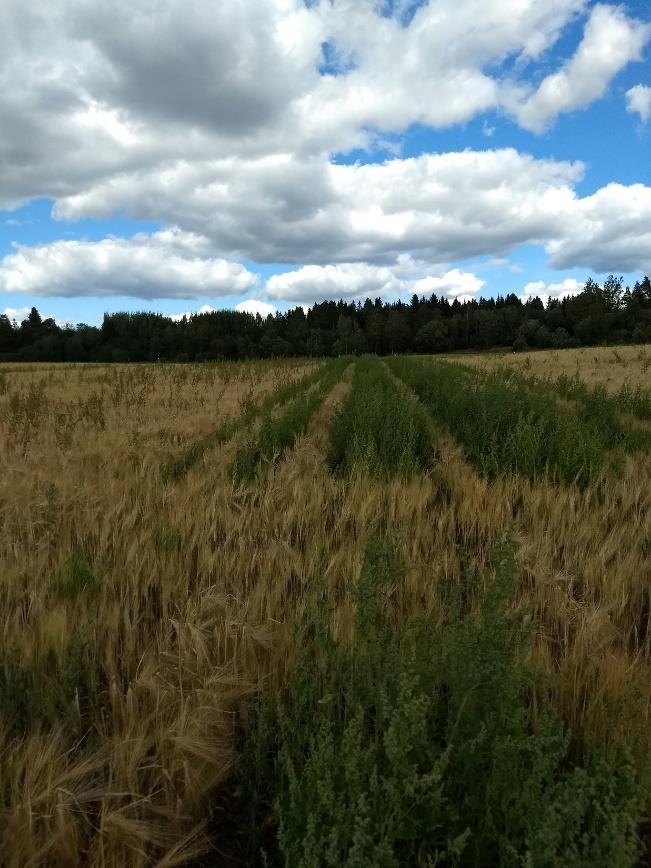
(612, 368)
(353, 612)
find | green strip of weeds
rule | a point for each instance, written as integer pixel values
(505, 425)
(175, 470)
(597, 409)
(605, 406)
(276, 436)
(379, 430)
(416, 746)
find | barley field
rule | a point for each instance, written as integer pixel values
(345, 612)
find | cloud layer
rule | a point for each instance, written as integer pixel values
(166, 264)
(611, 41)
(90, 93)
(436, 207)
(224, 119)
(545, 291)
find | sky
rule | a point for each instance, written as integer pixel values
(184, 155)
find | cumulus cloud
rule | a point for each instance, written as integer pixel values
(205, 308)
(89, 93)
(638, 99)
(166, 264)
(545, 291)
(462, 285)
(17, 314)
(436, 207)
(313, 283)
(610, 42)
(610, 231)
(255, 306)
(222, 119)
(348, 281)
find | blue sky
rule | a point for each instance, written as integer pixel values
(175, 155)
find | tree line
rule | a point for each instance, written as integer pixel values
(610, 313)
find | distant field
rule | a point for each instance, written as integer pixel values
(353, 612)
(610, 367)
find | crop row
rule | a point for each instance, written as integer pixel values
(417, 746)
(636, 402)
(178, 467)
(597, 408)
(378, 431)
(505, 425)
(276, 435)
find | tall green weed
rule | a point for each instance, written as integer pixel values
(415, 745)
(176, 469)
(276, 436)
(378, 430)
(504, 425)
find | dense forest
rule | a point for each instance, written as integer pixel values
(599, 314)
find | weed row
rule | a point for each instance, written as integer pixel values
(378, 430)
(598, 409)
(176, 469)
(414, 746)
(603, 405)
(503, 424)
(277, 435)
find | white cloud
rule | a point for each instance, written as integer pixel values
(609, 231)
(638, 99)
(545, 291)
(255, 306)
(453, 284)
(436, 207)
(214, 118)
(205, 308)
(166, 264)
(90, 93)
(250, 305)
(610, 42)
(17, 314)
(348, 281)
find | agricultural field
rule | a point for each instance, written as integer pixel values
(611, 368)
(344, 612)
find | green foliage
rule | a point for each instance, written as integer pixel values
(168, 539)
(603, 408)
(505, 425)
(277, 435)
(175, 470)
(75, 577)
(378, 430)
(47, 689)
(328, 328)
(415, 746)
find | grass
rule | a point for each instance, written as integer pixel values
(378, 430)
(277, 435)
(351, 646)
(415, 746)
(504, 425)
